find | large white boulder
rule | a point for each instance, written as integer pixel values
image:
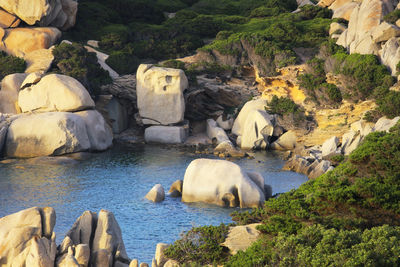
(27, 238)
(222, 183)
(238, 125)
(160, 94)
(55, 92)
(384, 124)
(390, 54)
(44, 134)
(99, 133)
(257, 130)
(165, 134)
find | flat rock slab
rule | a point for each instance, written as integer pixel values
(241, 237)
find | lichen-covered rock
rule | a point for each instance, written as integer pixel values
(222, 183)
(160, 94)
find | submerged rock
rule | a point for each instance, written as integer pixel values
(222, 183)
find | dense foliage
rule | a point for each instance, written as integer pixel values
(75, 61)
(200, 245)
(349, 216)
(10, 64)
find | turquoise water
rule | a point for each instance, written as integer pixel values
(118, 180)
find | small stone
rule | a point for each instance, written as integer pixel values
(156, 194)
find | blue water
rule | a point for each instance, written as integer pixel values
(118, 180)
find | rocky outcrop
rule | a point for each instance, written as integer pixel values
(216, 133)
(39, 60)
(8, 20)
(22, 41)
(222, 183)
(252, 105)
(114, 112)
(27, 238)
(156, 194)
(60, 13)
(160, 94)
(165, 134)
(96, 237)
(55, 92)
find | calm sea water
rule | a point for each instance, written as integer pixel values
(118, 180)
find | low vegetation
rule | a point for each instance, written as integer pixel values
(10, 64)
(349, 216)
(75, 61)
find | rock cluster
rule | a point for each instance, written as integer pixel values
(58, 117)
(317, 162)
(367, 33)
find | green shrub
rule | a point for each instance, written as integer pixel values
(392, 17)
(282, 106)
(123, 62)
(333, 92)
(310, 12)
(200, 245)
(318, 246)
(10, 64)
(75, 61)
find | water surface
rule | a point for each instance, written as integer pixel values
(118, 180)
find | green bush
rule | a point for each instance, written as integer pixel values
(123, 62)
(308, 12)
(282, 106)
(318, 246)
(200, 245)
(10, 64)
(333, 93)
(75, 61)
(392, 17)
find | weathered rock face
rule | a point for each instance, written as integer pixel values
(96, 237)
(215, 132)
(165, 134)
(330, 146)
(222, 183)
(7, 20)
(156, 194)
(21, 41)
(44, 134)
(113, 111)
(55, 92)
(367, 31)
(160, 94)
(287, 141)
(176, 189)
(390, 54)
(60, 13)
(27, 238)
(257, 130)
(3, 133)
(238, 126)
(39, 60)
(10, 86)
(99, 133)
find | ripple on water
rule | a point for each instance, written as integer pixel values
(118, 180)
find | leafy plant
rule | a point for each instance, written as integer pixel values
(10, 64)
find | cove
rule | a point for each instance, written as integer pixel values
(118, 180)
